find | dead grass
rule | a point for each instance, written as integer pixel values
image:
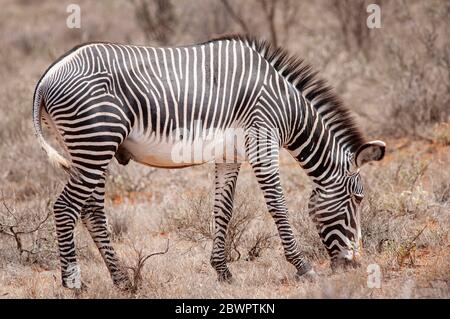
(405, 232)
(246, 235)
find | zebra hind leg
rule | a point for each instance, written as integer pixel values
(225, 184)
(89, 162)
(95, 220)
(67, 210)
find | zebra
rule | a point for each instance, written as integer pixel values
(105, 100)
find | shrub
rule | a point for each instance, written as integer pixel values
(195, 223)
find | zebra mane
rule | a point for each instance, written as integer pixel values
(313, 88)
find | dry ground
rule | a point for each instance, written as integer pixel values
(405, 214)
(405, 232)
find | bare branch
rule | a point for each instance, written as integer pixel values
(268, 7)
(235, 16)
(140, 263)
(156, 19)
(14, 232)
(157, 253)
(290, 10)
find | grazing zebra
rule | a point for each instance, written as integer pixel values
(141, 103)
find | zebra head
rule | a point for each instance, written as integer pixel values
(334, 207)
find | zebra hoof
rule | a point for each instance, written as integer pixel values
(310, 276)
(71, 276)
(78, 291)
(124, 284)
(226, 277)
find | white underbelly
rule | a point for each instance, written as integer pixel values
(172, 153)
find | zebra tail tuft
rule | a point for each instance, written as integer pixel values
(56, 159)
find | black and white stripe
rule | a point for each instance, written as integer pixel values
(135, 102)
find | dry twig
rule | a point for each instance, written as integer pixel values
(139, 265)
(14, 230)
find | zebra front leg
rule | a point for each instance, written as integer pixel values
(95, 220)
(225, 184)
(263, 155)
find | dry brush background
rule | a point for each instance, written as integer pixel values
(395, 79)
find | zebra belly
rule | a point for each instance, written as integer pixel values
(166, 153)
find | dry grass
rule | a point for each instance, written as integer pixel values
(405, 232)
(405, 214)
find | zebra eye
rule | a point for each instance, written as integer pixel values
(358, 198)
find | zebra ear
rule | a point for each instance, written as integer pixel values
(371, 151)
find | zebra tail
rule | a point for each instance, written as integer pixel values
(56, 159)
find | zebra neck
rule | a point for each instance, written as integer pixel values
(320, 150)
